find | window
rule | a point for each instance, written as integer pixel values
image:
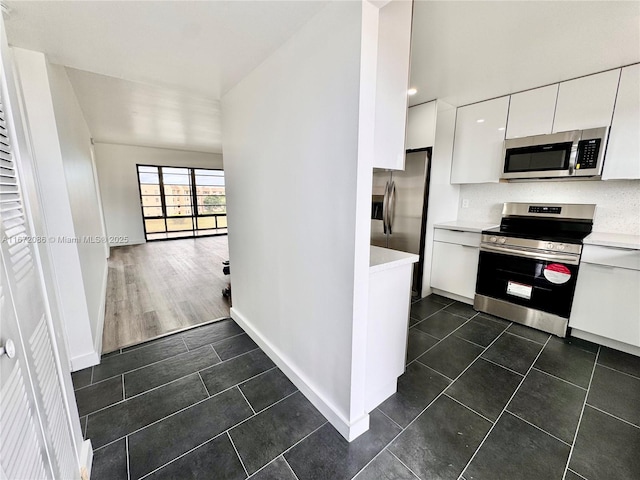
(182, 202)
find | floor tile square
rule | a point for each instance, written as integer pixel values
(168, 370)
(266, 389)
(461, 309)
(138, 357)
(440, 325)
(326, 455)
(513, 352)
(271, 432)
(621, 361)
(216, 459)
(451, 356)
(425, 307)
(485, 388)
(529, 333)
(606, 448)
(385, 467)
(99, 395)
(567, 362)
(81, 378)
(276, 470)
(234, 346)
(441, 441)
(234, 371)
(480, 332)
(126, 417)
(515, 449)
(572, 476)
(417, 387)
(550, 404)
(169, 438)
(418, 343)
(616, 393)
(211, 333)
(110, 462)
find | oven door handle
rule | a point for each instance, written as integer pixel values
(520, 252)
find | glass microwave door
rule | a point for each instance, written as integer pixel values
(538, 158)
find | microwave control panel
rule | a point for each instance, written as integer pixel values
(588, 153)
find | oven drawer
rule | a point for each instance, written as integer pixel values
(470, 239)
(611, 256)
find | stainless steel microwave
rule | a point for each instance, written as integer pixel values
(578, 153)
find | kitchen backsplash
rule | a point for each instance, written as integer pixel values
(618, 202)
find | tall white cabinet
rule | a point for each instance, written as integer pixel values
(623, 151)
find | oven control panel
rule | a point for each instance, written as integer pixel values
(531, 244)
(545, 209)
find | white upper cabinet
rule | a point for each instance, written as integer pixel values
(623, 151)
(478, 144)
(531, 112)
(392, 80)
(586, 102)
(421, 126)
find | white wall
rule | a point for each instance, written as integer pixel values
(290, 143)
(618, 202)
(116, 165)
(58, 157)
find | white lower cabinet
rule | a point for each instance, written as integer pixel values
(454, 267)
(606, 301)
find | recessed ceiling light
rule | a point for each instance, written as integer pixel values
(480, 120)
(412, 91)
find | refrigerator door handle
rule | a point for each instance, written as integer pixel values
(385, 208)
(391, 206)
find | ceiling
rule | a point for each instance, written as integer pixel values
(466, 51)
(152, 73)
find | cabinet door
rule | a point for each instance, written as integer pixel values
(586, 102)
(421, 126)
(623, 151)
(479, 139)
(454, 268)
(531, 112)
(606, 303)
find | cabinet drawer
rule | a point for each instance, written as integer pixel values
(611, 256)
(470, 239)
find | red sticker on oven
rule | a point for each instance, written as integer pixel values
(557, 273)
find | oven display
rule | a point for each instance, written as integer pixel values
(545, 209)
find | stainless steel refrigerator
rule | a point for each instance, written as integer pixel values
(399, 207)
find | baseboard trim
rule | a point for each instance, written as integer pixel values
(607, 342)
(349, 430)
(86, 458)
(85, 361)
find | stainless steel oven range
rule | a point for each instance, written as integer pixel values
(529, 265)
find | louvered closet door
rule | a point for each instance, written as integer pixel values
(35, 437)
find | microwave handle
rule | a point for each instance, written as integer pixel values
(385, 207)
(572, 158)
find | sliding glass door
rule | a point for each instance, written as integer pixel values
(182, 202)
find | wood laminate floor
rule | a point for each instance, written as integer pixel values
(161, 287)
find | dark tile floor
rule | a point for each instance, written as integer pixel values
(481, 399)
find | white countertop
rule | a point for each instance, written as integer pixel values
(620, 240)
(385, 258)
(465, 226)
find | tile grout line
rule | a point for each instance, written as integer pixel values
(429, 316)
(185, 408)
(124, 395)
(203, 384)
(576, 474)
(91, 380)
(537, 427)
(584, 404)
(126, 440)
(558, 378)
(185, 344)
(468, 407)
(619, 371)
(504, 409)
(469, 341)
(290, 468)
(405, 465)
(436, 371)
(237, 453)
(498, 365)
(216, 353)
(430, 403)
(246, 399)
(392, 420)
(525, 338)
(613, 416)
